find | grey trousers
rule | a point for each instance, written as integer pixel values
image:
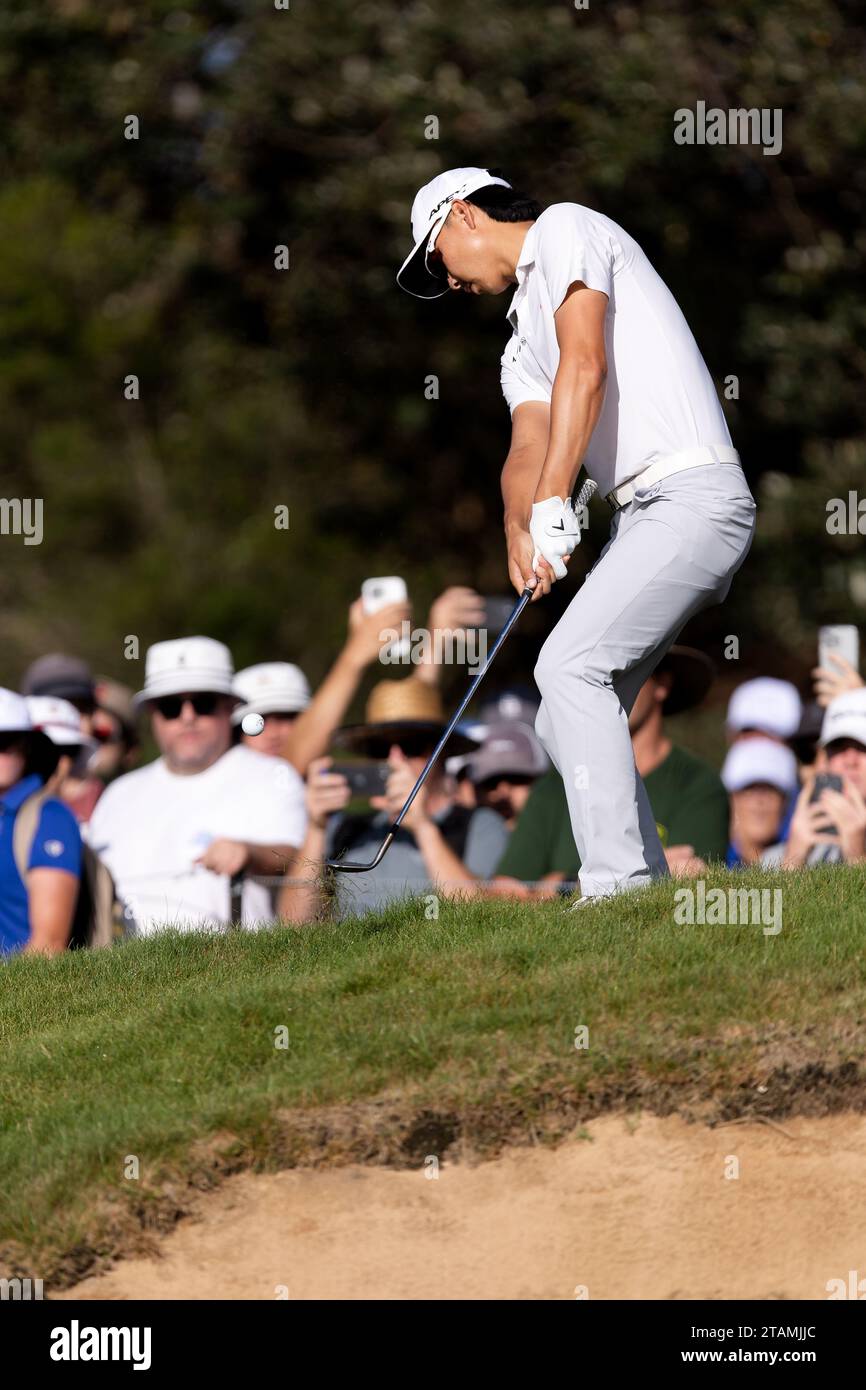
(672, 551)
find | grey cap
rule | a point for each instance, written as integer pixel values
(508, 750)
(65, 676)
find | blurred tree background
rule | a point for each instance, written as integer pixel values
(305, 388)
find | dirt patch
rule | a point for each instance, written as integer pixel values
(636, 1207)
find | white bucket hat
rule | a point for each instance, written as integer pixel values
(429, 213)
(754, 760)
(58, 720)
(186, 663)
(845, 718)
(272, 687)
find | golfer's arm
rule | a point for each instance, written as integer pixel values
(522, 468)
(578, 389)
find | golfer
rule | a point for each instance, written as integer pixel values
(601, 371)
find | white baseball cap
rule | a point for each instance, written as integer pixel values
(773, 706)
(58, 720)
(272, 687)
(14, 714)
(186, 663)
(754, 760)
(429, 213)
(845, 718)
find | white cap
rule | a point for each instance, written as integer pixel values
(767, 704)
(845, 717)
(186, 663)
(58, 720)
(14, 714)
(272, 687)
(754, 760)
(429, 213)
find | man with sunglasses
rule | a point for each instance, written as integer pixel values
(176, 832)
(601, 371)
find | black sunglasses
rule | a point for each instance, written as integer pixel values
(203, 702)
(9, 742)
(411, 746)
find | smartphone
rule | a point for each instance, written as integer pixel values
(842, 639)
(365, 779)
(497, 611)
(823, 781)
(379, 593)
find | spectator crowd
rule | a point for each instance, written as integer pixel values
(224, 827)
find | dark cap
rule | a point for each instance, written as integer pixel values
(692, 675)
(66, 676)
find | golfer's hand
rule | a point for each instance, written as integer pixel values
(365, 640)
(520, 571)
(555, 530)
(327, 792)
(398, 786)
(225, 857)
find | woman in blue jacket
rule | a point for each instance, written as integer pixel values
(36, 909)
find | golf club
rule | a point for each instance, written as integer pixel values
(348, 866)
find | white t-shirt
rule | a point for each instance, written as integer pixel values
(660, 398)
(150, 825)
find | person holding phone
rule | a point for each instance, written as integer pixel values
(829, 820)
(441, 847)
(838, 663)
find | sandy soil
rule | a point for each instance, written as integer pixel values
(641, 1209)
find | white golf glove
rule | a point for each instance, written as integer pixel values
(555, 530)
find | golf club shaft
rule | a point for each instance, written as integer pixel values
(456, 717)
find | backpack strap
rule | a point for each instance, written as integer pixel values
(102, 899)
(24, 830)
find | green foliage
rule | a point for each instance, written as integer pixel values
(305, 388)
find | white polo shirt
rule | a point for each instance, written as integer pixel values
(150, 826)
(660, 398)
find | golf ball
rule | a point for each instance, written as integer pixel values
(252, 724)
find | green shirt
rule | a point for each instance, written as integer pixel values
(687, 797)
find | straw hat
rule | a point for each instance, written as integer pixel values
(396, 708)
